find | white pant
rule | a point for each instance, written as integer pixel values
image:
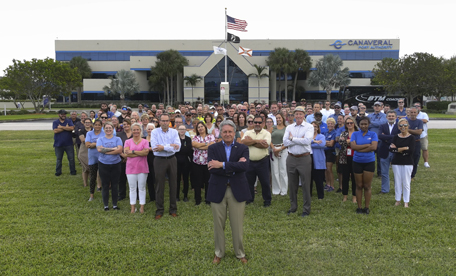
(137, 181)
(402, 178)
(279, 173)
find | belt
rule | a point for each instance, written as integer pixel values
(260, 159)
(278, 145)
(299, 155)
(165, 157)
(228, 185)
(417, 140)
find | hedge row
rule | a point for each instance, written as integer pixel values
(439, 107)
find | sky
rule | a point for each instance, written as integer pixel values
(29, 28)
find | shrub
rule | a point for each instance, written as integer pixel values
(438, 107)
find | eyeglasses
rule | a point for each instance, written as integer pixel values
(104, 117)
(218, 121)
(416, 106)
(337, 107)
(250, 122)
(188, 115)
(403, 125)
(362, 108)
(349, 123)
(400, 102)
(257, 123)
(165, 121)
(244, 110)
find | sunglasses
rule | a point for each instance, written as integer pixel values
(403, 125)
(188, 115)
(104, 117)
(400, 102)
(349, 123)
(257, 123)
(243, 109)
(219, 121)
(416, 106)
(250, 122)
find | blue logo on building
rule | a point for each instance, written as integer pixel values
(338, 44)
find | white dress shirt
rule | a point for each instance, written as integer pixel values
(302, 137)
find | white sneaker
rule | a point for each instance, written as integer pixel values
(426, 164)
(90, 198)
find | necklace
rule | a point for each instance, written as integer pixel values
(138, 141)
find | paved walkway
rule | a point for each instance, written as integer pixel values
(47, 125)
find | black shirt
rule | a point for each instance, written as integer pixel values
(405, 157)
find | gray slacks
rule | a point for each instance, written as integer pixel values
(299, 167)
(162, 168)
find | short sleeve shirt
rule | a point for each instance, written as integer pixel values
(109, 159)
(329, 136)
(93, 153)
(415, 125)
(364, 157)
(200, 156)
(137, 164)
(64, 138)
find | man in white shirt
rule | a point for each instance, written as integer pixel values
(424, 136)
(274, 110)
(298, 137)
(327, 111)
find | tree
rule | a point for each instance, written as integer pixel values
(170, 63)
(192, 80)
(123, 83)
(38, 78)
(414, 75)
(280, 61)
(329, 74)
(301, 63)
(259, 74)
(5, 93)
(84, 71)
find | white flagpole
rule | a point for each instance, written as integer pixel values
(226, 38)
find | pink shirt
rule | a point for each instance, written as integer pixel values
(137, 164)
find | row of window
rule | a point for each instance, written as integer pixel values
(125, 55)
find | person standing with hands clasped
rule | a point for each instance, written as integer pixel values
(298, 137)
(228, 162)
(403, 147)
(165, 143)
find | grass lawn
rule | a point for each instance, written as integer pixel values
(47, 226)
(28, 117)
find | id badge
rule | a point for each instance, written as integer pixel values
(201, 159)
(349, 152)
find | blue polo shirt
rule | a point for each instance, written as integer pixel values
(360, 139)
(93, 153)
(64, 138)
(338, 133)
(415, 125)
(331, 136)
(399, 113)
(323, 128)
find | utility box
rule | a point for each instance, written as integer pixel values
(224, 93)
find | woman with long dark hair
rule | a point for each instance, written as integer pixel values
(200, 143)
(346, 158)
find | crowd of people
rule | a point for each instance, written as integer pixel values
(290, 145)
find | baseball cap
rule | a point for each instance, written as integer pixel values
(378, 103)
(354, 107)
(62, 111)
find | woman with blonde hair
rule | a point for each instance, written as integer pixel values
(403, 146)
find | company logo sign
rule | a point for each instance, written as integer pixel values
(364, 44)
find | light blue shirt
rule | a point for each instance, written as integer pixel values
(165, 139)
(376, 120)
(228, 152)
(310, 118)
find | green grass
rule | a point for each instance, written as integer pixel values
(441, 116)
(47, 227)
(28, 117)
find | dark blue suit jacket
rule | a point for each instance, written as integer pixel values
(220, 177)
(386, 137)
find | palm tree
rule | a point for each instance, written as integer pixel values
(169, 64)
(259, 74)
(84, 71)
(280, 61)
(124, 83)
(192, 80)
(302, 63)
(330, 74)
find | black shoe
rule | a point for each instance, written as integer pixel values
(106, 208)
(366, 211)
(98, 189)
(178, 199)
(185, 199)
(58, 174)
(73, 173)
(198, 203)
(267, 204)
(208, 203)
(115, 208)
(339, 191)
(359, 211)
(304, 214)
(248, 202)
(290, 212)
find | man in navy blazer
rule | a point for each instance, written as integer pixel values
(386, 132)
(228, 188)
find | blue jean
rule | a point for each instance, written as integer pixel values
(385, 164)
(59, 154)
(261, 170)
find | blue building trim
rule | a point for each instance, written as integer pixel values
(105, 72)
(140, 69)
(125, 55)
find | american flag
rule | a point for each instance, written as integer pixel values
(236, 24)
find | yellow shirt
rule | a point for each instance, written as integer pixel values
(255, 153)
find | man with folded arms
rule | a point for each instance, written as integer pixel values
(165, 142)
(228, 162)
(298, 137)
